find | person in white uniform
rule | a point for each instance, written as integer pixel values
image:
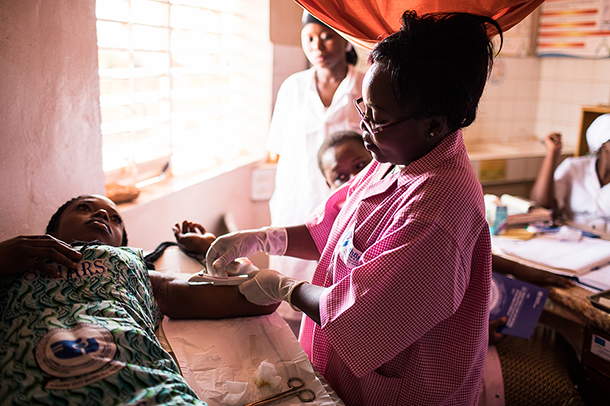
(310, 105)
(578, 190)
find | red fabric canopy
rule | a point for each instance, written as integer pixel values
(366, 22)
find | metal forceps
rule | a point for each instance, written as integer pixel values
(296, 389)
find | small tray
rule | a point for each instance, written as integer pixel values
(202, 278)
(601, 300)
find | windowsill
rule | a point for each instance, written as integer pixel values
(176, 183)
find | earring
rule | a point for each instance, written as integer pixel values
(432, 134)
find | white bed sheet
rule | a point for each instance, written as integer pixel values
(212, 352)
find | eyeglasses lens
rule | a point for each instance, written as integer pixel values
(359, 104)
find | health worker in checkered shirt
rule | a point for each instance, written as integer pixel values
(397, 309)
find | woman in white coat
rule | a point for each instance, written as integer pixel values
(579, 189)
(310, 105)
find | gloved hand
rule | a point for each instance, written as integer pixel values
(271, 240)
(241, 266)
(266, 286)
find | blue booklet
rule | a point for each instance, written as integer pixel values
(521, 302)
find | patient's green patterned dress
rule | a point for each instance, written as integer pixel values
(87, 337)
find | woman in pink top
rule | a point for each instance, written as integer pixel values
(398, 306)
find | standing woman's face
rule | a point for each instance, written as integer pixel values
(323, 47)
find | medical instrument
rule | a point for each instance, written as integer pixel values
(296, 389)
(203, 278)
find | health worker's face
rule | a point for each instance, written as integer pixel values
(323, 47)
(89, 219)
(402, 143)
(342, 162)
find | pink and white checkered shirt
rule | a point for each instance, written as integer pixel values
(407, 258)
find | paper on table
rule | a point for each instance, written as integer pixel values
(599, 278)
(516, 204)
(212, 352)
(547, 250)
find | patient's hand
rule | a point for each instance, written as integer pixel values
(24, 253)
(192, 237)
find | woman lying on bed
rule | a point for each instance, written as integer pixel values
(78, 313)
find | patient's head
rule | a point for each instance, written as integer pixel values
(86, 219)
(341, 157)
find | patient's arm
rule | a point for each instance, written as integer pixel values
(179, 300)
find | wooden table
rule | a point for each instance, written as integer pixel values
(569, 312)
(585, 327)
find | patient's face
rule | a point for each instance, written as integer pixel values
(342, 162)
(89, 219)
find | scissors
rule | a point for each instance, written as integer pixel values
(295, 384)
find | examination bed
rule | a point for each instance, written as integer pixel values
(219, 357)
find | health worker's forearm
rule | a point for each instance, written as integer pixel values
(307, 298)
(301, 244)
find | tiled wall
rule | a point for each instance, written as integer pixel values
(530, 97)
(507, 111)
(567, 84)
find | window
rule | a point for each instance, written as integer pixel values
(185, 85)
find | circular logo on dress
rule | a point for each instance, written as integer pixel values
(67, 352)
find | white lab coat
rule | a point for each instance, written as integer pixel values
(580, 196)
(299, 125)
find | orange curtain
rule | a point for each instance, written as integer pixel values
(365, 22)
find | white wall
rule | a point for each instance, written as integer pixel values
(206, 202)
(49, 110)
(507, 111)
(50, 129)
(534, 96)
(567, 84)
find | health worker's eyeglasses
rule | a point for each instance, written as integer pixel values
(370, 125)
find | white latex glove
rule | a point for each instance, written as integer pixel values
(241, 266)
(266, 286)
(227, 248)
